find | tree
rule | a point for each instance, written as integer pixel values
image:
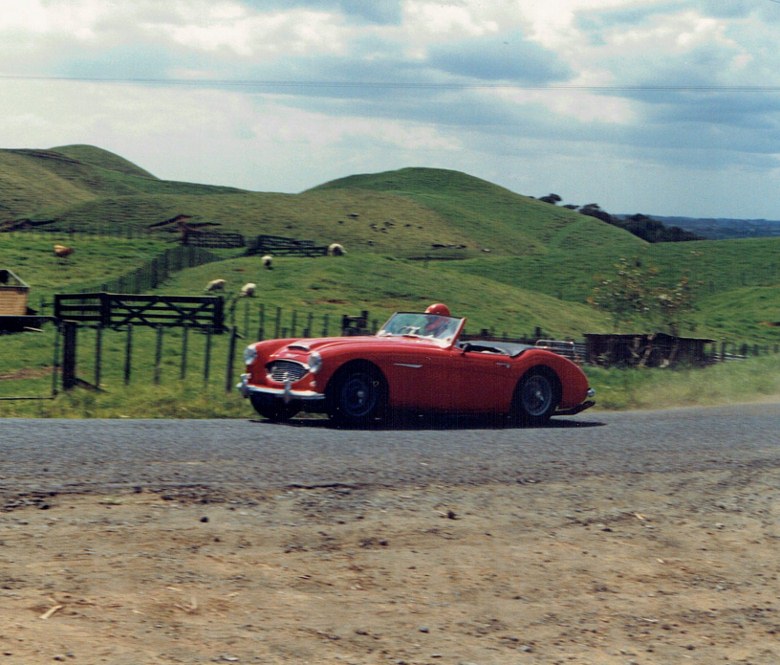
(625, 295)
(594, 210)
(633, 297)
(553, 199)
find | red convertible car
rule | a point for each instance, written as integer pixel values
(416, 363)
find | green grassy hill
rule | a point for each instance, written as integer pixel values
(412, 212)
(513, 262)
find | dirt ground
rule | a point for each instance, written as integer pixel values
(634, 569)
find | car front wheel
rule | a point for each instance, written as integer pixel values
(536, 398)
(357, 396)
(274, 408)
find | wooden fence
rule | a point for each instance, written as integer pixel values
(116, 310)
(85, 351)
(215, 240)
(152, 274)
(283, 246)
(85, 355)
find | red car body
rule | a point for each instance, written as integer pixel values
(415, 363)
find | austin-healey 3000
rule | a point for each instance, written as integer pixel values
(416, 363)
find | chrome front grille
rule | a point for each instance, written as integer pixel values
(282, 371)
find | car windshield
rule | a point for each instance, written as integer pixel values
(438, 328)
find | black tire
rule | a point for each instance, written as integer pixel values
(536, 398)
(356, 396)
(274, 408)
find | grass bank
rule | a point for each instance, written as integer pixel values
(616, 389)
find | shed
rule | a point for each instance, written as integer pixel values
(645, 349)
(14, 294)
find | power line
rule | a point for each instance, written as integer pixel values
(393, 85)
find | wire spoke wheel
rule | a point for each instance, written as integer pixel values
(535, 399)
(357, 398)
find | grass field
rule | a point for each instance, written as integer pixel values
(506, 261)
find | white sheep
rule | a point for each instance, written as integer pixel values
(216, 285)
(248, 290)
(62, 251)
(335, 249)
(267, 262)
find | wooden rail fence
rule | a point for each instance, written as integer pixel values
(115, 310)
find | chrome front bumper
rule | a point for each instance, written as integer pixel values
(287, 394)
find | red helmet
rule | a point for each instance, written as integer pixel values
(438, 308)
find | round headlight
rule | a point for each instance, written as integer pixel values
(250, 355)
(315, 362)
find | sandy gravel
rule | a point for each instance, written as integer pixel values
(630, 569)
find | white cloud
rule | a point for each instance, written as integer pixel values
(536, 96)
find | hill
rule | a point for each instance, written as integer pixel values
(411, 212)
(512, 261)
(45, 185)
(724, 228)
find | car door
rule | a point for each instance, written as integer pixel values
(483, 381)
(423, 378)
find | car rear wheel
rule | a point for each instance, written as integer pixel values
(536, 398)
(274, 408)
(356, 396)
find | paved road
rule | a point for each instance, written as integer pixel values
(223, 458)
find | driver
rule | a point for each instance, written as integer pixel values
(438, 323)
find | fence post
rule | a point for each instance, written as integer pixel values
(230, 358)
(55, 363)
(128, 353)
(69, 348)
(184, 344)
(278, 324)
(261, 325)
(98, 354)
(105, 309)
(309, 323)
(158, 355)
(207, 359)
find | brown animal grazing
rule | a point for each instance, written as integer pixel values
(62, 251)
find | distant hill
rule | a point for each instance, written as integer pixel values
(722, 228)
(412, 212)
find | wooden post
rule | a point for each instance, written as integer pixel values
(230, 359)
(98, 354)
(261, 325)
(158, 355)
(69, 347)
(184, 344)
(128, 353)
(55, 363)
(309, 323)
(207, 359)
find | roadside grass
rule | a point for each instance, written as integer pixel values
(751, 380)
(754, 379)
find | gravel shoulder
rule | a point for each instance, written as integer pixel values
(634, 568)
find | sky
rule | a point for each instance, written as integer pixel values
(641, 106)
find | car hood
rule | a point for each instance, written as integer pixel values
(326, 344)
